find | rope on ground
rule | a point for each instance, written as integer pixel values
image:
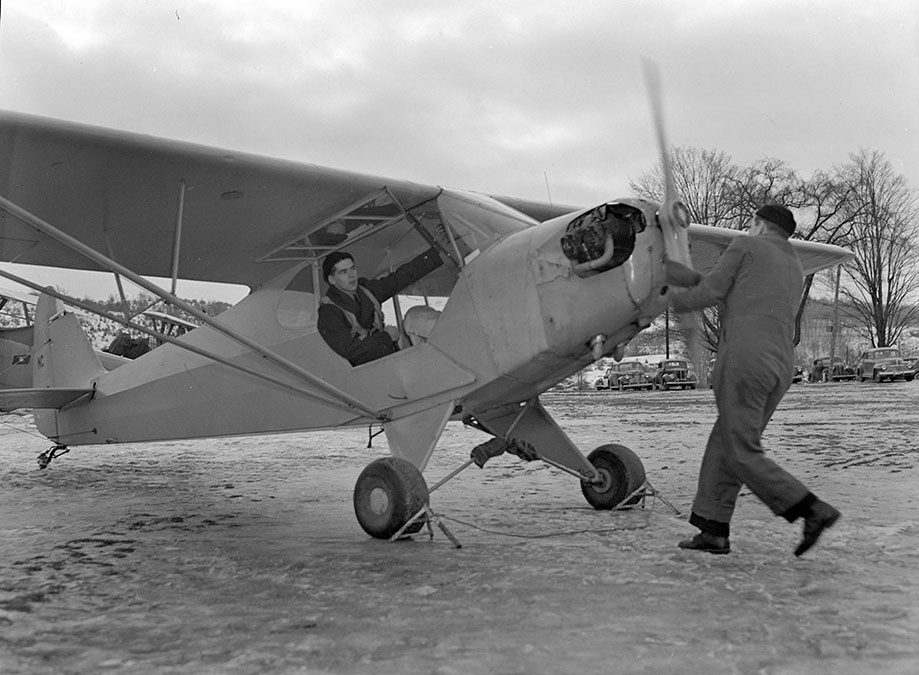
(24, 431)
(545, 535)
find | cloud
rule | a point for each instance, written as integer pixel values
(474, 94)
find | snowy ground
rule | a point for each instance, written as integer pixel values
(243, 555)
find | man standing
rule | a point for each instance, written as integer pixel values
(758, 280)
(350, 315)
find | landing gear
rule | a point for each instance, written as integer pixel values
(44, 459)
(621, 473)
(388, 493)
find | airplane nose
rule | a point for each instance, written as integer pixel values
(601, 238)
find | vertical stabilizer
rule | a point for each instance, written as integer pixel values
(62, 355)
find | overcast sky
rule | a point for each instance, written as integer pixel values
(523, 98)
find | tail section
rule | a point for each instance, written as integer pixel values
(62, 355)
(63, 360)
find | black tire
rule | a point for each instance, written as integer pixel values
(387, 494)
(622, 473)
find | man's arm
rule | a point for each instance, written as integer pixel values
(711, 288)
(418, 267)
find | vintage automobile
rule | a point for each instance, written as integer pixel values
(823, 371)
(625, 375)
(883, 363)
(673, 374)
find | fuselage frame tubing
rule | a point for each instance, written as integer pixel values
(74, 244)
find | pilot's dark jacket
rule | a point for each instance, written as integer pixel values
(759, 282)
(335, 326)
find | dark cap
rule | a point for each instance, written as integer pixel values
(779, 215)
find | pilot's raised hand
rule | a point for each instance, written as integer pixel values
(678, 274)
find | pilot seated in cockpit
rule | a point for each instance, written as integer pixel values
(350, 314)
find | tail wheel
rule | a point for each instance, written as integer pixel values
(387, 494)
(621, 473)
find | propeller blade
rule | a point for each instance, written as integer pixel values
(653, 83)
(673, 214)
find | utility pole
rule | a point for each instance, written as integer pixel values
(667, 333)
(835, 330)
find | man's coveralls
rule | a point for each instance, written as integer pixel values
(759, 281)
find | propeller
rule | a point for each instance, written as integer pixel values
(673, 214)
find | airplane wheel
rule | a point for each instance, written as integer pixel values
(387, 494)
(622, 473)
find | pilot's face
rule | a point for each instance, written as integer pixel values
(344, 276)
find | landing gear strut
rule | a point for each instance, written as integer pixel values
(44, 459)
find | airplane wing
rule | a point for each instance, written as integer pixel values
(26, 297)
(158, 206)
(706, 244)
(232, 217)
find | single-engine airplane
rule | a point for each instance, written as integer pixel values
(534, 293)
(17, 309)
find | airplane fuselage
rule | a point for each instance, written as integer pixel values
(521, 318)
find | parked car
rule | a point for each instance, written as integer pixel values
(883, 363)
(674, 373)
(626, 375)
(823, 371)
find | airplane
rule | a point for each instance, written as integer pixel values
(534, 292)
(167, 324)
(16, 314)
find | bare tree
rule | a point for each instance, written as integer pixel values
(703, 179)
(700, 177)
(884, 273)
(722, 194)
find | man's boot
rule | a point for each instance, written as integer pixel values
(708, 543)
(819, 517)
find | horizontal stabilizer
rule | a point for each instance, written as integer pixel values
(13, 399)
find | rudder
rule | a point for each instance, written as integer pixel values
(62, 356)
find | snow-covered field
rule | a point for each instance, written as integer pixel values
(243, 555)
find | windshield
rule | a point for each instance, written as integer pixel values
(886, 354)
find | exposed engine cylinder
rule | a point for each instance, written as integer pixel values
(587, 238)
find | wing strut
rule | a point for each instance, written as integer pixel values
(184, 345)
(177, 242)
(292, 368)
